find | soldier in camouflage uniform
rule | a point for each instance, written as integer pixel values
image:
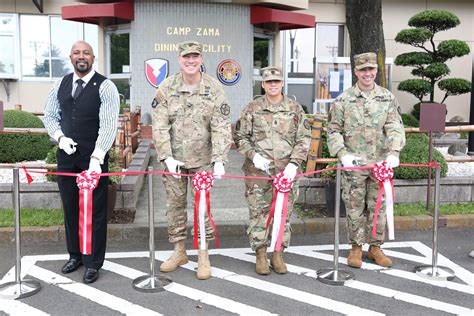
(365, 127)
(192, 132)
(273, 134)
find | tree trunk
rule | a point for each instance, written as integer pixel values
(364, 23)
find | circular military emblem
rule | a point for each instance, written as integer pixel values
(225, 109)
(228, 72)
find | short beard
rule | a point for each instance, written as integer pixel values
(83, 70)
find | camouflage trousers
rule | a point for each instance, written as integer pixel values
(259, 195)
(176, 203)
(359, 193)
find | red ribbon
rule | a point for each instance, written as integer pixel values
(86, 184)
(202, 182)
(282, 186)
(382, 173)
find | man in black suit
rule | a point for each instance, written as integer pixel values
(81, 115)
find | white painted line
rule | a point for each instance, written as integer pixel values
(14, 308)
(378, 290)
(411, 298)
(194, 294)
(287, 292)
(93, 294)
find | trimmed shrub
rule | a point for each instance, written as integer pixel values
(16, 148)
(416, 152)
(52, 159)
(410, 120)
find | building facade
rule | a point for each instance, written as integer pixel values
(135, 43)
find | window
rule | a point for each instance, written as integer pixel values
(118, 47)
(300, 52)
(329, 40)
(45, 52)
(8, 46)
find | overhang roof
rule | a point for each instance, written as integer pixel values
(277, 20)
(120, 12)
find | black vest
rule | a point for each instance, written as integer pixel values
(80, 117)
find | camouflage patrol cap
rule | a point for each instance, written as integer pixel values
(271, 73)
(189, 47)
(365, 60)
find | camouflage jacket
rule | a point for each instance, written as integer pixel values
(192, 127)
(279, 132)
(367, 126)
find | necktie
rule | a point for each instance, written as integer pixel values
(79, 88)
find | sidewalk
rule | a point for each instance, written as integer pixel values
(230, 213)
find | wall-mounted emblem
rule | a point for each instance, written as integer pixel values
(229, 72)
(156, 70)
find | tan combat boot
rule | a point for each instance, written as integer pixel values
(261, 266)
(355, 257)
(178, 258)
(277, 262)
(378, 256)
(204, 265)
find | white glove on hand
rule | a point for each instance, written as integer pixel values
(94, 166)
(260, 162)
(392, 161)
(174, 166)
(348, 160)
(67, 144)
(290, 171)
(219, 170)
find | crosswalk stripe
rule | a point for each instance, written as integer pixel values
(93, 294)
(374, 289)
(14, 308)
(294, 294)
(194, 294)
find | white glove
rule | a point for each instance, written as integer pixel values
(67, 144)
(174, 166)
(94, 166)
(392, 161)
(260, 162)
(290, 171)
(219, 170)
(349, 160)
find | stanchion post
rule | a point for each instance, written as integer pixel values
(434, 271)
(335, 276)
(19, 288)
(151, 283)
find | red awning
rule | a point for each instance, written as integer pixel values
(277, 20)
(92, 13)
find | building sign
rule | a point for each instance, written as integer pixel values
(228, 72)
(156, 70)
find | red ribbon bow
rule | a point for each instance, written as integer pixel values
(202, 182)
(86, 183)
(383, 174)
(282, 187)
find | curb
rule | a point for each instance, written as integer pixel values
(311, 226)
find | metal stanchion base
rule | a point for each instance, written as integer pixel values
(333, 277)
(440, 273)
(14, 290)
(149, 284)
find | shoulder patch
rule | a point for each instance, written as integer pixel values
(159, 97)
(225, 109)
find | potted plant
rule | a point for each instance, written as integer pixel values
(329, 180)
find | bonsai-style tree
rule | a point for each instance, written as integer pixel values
(430, 63)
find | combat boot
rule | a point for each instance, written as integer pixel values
(277, 262)
(378, 256)
(355, 257)
(204, 265)
(178, 258)
(261, 266)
